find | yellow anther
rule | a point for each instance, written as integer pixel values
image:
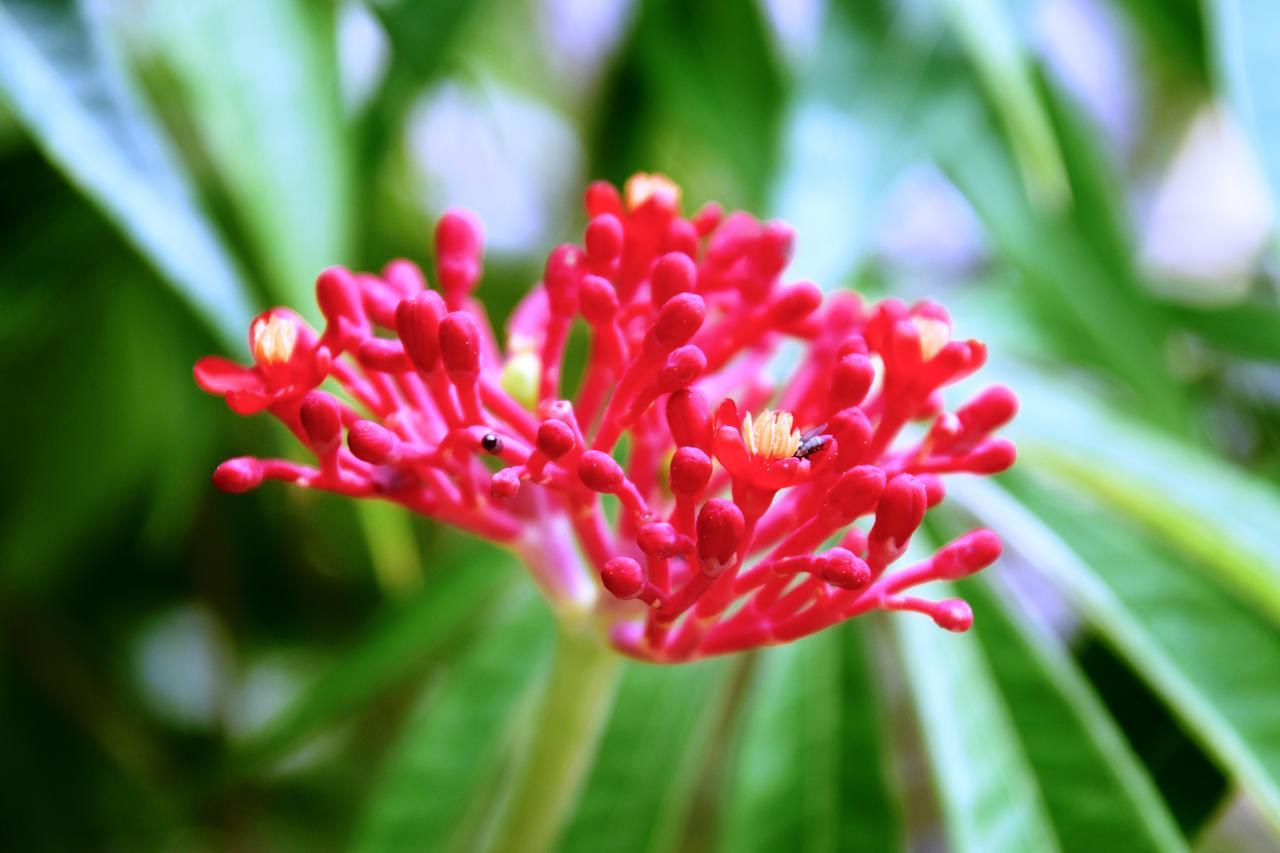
(273, 339)
(934, 335)
(643, 186)
(770, 436)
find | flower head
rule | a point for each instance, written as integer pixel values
(740, 498)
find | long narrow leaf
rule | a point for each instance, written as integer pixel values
(60, 78)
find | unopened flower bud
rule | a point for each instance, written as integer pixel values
(953, 614)
(690, 471)
(458, 248)
(321, 421)
(603, 240)
(851, 380)
(622, 577)
(674, 273)
(689, 418)
(460, 346)
(504, 484)
(679, 319)
(720, 528)
(374, 443)
(841, 568)
(561, 277)
(658, 539)
(856, 492)
(794, 303)
(992, 457)
(991, 409)
(418, 325)
(599, 301)
(683, 367)
(970, 553)
(900, 511)
(338, 295)
(238, 475)
(555, 438)
(600, 472)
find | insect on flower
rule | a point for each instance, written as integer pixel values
(735, 528)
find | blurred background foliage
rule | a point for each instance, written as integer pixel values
(1090, 186)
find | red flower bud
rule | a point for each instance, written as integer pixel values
(603, 240)
(683, 368)
(374, 443)
(991, 409)
(953, 614)
(679, 319)
(460, 346)
(773, 247)
(970, 553)
(561, 278)
(600, 472)
(599, 301)
(623, 577)
(856, 492)
(238, 475)
(458, 248)
(794, 303)
(689, 418)
(851, 380)
(505, 483)
(720, 529)
(674, 273)
(839, 567)
(900, 511)
(418, 325)
(658, 539)
(992, 457)
(321, 421)
(555, 438)
(603, 197)
(690, 471)
(405, 277)
(338, 296)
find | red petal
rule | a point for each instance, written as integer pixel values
(218, 375)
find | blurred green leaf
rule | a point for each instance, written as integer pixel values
(1219, 515)
(403, 641)
(990, 38)
(454, 743)
(262, 88)
(811, 769)
(1251, 330)
(1213, 661)
(695, 77)
(1096, 792)
(63, 81)
(990, 797)
(641, 787)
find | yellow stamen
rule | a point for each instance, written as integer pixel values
(934, 335)
(274, 339)
(770, 436)
(643, 186)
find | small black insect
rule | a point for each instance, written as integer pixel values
(812, 441)
(492, 443)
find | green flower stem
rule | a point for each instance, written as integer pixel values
(570, 719)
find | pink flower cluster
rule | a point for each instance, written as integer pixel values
(717, 506)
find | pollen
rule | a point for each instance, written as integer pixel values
(274, 339)
(934, 335)
(643, 186)
(770, 436)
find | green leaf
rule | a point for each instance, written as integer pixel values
(389, 652)
(811, 767)
(1251, 330)
(262, 86)
(640, 789)
(990, 38)
(1220, 516)
(1096, 791)
(990, 797)
(454, 743)
(1215, 662)
(63, 82)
